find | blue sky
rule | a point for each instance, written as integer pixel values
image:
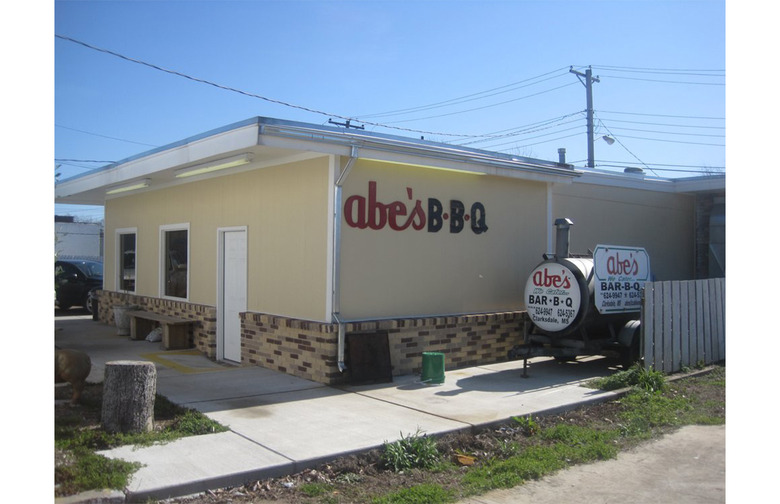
(466, 68)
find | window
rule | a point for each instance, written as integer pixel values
(125, 248)
(174, 241)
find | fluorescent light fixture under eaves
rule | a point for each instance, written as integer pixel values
(130, 186)
(219, 164)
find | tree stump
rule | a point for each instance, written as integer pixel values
(129, 389)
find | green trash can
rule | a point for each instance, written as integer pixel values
(432, 367)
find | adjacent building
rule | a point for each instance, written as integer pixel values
(77, 240)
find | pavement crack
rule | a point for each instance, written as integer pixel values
(261, 445)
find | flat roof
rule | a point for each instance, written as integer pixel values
(272, 141)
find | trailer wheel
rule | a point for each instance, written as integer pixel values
(630, 355)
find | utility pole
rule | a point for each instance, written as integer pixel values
(588, 83)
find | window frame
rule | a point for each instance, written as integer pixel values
(118, 257)
(162, 273)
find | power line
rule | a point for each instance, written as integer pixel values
(671, 165)
(535, 143)
(386, 125)
(538, 136)
(670, 132)
(528, 132)
(253, 95)
(674, 141)
(64, 160)
(623, 145)
(701, 169)
(513, 129)
(485, 106)
(104, 136)
(467, 98)
(667, 124)
(665, 81)
(676, 71)
(662, 115)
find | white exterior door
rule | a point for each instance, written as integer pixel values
(233, 293)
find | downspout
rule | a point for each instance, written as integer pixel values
(337, 209)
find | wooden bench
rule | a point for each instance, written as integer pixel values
(176, 333)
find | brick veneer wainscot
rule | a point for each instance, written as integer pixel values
(204, 330)
(310, 349)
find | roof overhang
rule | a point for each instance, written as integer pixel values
(692, 185)
(272, 142)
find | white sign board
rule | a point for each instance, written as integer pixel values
(620, 275)
(552, 296)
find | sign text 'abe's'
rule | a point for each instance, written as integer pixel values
(363, 212)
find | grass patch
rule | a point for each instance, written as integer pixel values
(418, 494)
(553, 449)
(78, 435)
(92, 471)
(315, 489)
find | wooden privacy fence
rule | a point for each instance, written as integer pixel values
(683, 323)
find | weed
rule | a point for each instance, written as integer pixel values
(528, 424)
(507, 448)
(651, 380)
(193, 423)
(349, 478)
(418, 494)
(314, 489)
(635, 376)
(410, 452)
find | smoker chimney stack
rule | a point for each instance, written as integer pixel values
(562, 228)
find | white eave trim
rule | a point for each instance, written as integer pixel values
(409, 153)
(631, 181)
(146, 165)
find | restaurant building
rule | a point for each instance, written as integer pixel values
(337, 254)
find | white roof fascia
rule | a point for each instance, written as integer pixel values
(640, 181)
(146, 165)
(626, 181)
(410, 153)
(701, 184)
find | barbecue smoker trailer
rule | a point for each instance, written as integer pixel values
(584, 305)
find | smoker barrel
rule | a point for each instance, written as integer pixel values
(559, 294)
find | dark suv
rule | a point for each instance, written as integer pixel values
(74, 279)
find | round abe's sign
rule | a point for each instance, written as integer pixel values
(552, 296)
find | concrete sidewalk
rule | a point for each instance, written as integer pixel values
(280, 424)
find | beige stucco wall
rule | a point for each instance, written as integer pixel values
(386, 272)
(662, 223)
(284, 210)
(390, 273)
